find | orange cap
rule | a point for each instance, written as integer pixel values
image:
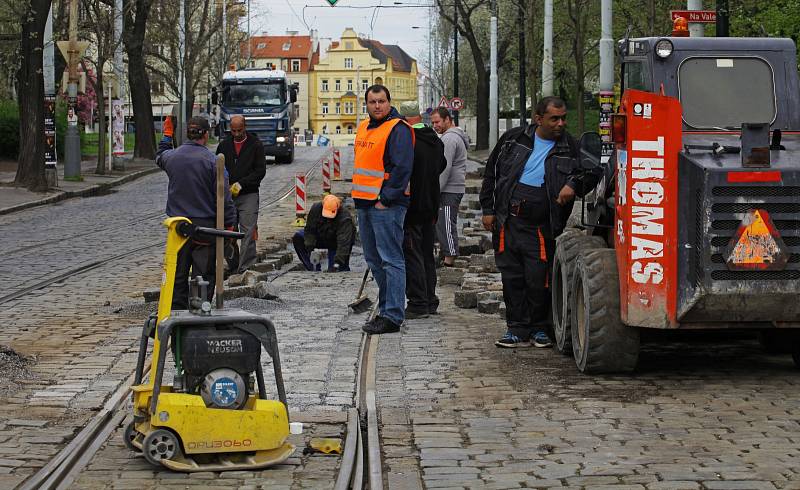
(330, 206)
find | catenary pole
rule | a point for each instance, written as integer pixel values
(695, 29)
(493, 75)
(180, 130)
(523, 96)
(547, 58)
(72, 139)
(723, 23)
(455, 59)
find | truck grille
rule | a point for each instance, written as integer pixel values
(730, 204)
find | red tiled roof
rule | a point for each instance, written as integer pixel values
(273, 47)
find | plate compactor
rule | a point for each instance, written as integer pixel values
(211, 418)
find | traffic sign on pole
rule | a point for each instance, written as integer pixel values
(443, 102)
(456, 103)
(695, 16)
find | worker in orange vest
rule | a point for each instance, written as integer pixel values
(384, 156)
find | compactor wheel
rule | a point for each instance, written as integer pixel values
(568, 245)
(161, 445)
(129, 436)
(601, 343)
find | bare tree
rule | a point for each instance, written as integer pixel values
(136, 17)
(32, 16)
(98, 27)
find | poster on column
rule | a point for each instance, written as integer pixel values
(50, 130)
(118, 126)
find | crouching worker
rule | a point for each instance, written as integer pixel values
(328, 226)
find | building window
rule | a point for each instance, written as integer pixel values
(337, 85)
(325, 129)
(348, 107)
(350, 84)
(348, 45)
(261, 45)
(287, 46)
(324, 107)
(338, 108)
(349, 129)
(378, 81)
(364, 85)
(295, 65)
(348, 62)
(363, 108)
(324, 85)
(338, 130)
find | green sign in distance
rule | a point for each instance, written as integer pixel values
(332, 2)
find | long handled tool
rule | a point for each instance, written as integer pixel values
(220, 167)
(362, 302)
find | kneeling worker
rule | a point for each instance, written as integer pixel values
(329, 226)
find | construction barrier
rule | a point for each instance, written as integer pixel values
(326, 176)
(300, 199)
(337, 167)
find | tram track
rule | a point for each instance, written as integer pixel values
(65, 274)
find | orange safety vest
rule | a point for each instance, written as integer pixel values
(369, 147)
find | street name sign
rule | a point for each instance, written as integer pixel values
(699, 16)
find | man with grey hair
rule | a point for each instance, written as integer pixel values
(246, 165)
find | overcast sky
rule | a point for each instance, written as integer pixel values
(389, 25)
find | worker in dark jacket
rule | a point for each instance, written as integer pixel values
(419, 228)
(529, 186)
(246, 165)
(192, 193)
(328, 226)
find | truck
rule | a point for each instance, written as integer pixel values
(695, 223)
(266, 99)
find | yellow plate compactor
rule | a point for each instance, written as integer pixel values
(210, 418)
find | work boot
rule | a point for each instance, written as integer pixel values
(414, 315)
(381, 325)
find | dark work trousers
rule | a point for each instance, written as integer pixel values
(420, 267)
(194, 259)
(524, 248)
(299, 242)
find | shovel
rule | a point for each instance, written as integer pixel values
(362, 302)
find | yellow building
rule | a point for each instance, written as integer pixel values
(338, 82)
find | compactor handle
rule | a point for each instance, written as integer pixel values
(190, 230)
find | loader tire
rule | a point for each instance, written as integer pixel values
(568, 245)
(601, 343)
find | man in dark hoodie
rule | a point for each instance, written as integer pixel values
(419, 228)
(192, 193)
(384, 156)
(246, 165)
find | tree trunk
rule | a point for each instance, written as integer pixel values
(101, 119)
(139, 80)
(30, 86)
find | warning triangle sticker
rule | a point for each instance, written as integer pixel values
(757, 244)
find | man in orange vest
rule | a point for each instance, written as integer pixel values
(384, 155)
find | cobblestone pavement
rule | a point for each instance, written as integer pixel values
(457, 412)
(81, 331)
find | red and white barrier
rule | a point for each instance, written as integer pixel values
(337, 169)
(326, 175)
(300, 194)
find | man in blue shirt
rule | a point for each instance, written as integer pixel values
(529, 186)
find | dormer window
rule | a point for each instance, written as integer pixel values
(287, 46)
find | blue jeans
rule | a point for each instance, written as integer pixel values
(381, 233)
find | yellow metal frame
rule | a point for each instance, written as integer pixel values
(261, 426)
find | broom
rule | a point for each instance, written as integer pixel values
(362, 302)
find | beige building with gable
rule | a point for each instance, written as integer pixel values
(340, 78)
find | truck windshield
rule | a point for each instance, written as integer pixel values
(718, 92)
(253, 94)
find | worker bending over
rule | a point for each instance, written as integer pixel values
(328, 226)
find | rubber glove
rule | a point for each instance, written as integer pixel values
(235, 189)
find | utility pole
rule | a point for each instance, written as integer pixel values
(48, 67)
(224, 36)
(493, 75)
(695, 29)
(72, 140)
(722, 19)
(523, 96)
(180, 130)
(455, 59)
(247, 63)
(358, 96)
(117, 163)
(547, 58)
(606, 95)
